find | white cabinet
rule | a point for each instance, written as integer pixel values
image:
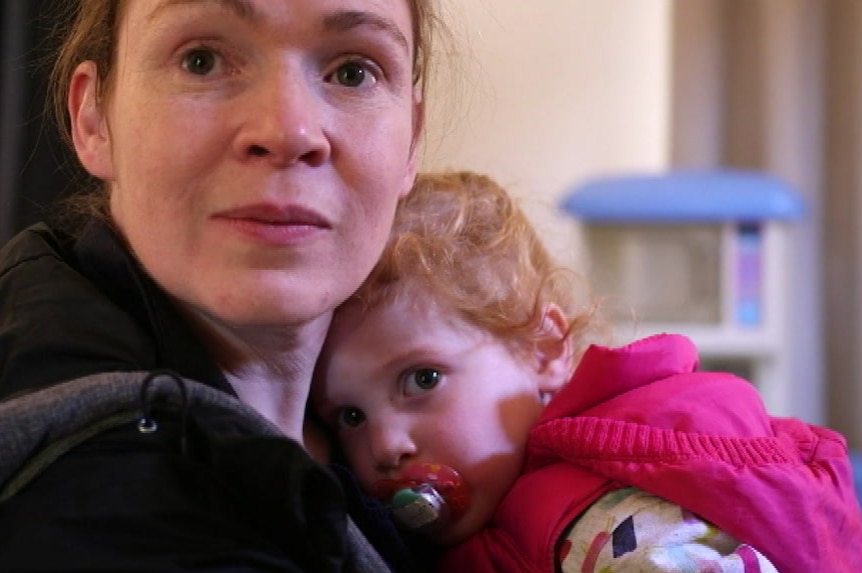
(702, 254)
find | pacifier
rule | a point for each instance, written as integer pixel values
(428, 496)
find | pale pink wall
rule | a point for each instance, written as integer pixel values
(551, 92)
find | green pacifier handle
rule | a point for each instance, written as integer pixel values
(419, 508)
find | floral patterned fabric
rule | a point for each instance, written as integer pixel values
(629, 530)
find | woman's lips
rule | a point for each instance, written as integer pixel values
(273, 224)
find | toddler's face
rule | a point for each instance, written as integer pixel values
(411, 383)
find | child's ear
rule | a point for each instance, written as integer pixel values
(553, 351)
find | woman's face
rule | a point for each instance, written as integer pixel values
(255, 149)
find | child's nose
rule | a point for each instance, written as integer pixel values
(391, 445)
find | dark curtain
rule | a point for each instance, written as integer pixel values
(33, 161)
(777, 85)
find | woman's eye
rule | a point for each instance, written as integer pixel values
(350, 417)
(422, 380)
(352, 75)
(200, 61)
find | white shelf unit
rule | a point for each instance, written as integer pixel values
(700, 254)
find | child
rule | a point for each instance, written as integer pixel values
(437, 376)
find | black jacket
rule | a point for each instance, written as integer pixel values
(211, 490)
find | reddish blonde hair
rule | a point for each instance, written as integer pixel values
(463, 238)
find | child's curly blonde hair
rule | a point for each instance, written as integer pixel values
(461, 237)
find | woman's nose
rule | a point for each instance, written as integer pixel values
(285, 121)
(391, 445)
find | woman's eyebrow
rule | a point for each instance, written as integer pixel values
(351, 19)
(243, 8)
(342, 21)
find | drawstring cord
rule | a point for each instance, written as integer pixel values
(147, 424)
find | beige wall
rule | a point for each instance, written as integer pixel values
(548, 93)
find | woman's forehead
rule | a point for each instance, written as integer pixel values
(388, 16)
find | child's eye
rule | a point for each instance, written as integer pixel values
(350, 417)
(200, 61)
(422, 380)
(353, 74)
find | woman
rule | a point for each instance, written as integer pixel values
(250, 154)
